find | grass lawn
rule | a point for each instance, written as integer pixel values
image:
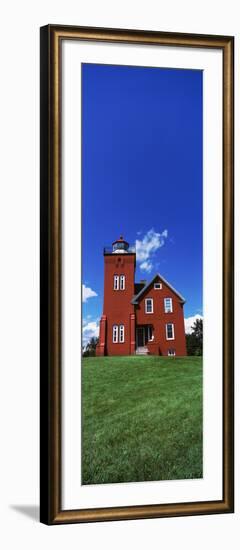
(142, 419)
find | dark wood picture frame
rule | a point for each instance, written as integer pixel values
(51, 37)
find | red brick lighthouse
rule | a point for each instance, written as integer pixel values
(138, 318)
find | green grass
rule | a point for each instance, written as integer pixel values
(142, 419)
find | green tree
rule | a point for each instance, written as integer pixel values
(90, 349)
(194, 340)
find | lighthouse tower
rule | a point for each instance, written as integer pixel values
(117, 324)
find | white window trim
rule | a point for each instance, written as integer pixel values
(173, 335)
(121, 334)
(157, 286)
(167, 310)
(122, 282)
(147, 299)
(115, 341)
(116, 280)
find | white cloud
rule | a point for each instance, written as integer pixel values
(146, 266)
(189, 322)
(89, 331)
(146, 248)
(87, 292)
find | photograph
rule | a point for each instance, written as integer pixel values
(142, 273)
(119, 294)
(136, 274)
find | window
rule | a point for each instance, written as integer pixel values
(157, 286)
(116, 282)
(171, 352)
(119, 282)
(168, 305)
(121, 334)
(149, 305)
(170, 331)
(115, 334)
(118, 334)
(150, 336)
(122, 282)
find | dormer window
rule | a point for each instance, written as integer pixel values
(122, 282)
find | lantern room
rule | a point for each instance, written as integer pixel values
(120, 246)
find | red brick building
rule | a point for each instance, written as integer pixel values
(138, 318)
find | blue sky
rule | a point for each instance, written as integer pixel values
(142, 177)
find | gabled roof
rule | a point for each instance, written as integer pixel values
(138, 296)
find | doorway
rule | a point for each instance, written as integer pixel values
(140, 337)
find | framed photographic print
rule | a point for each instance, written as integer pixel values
(136, 274)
